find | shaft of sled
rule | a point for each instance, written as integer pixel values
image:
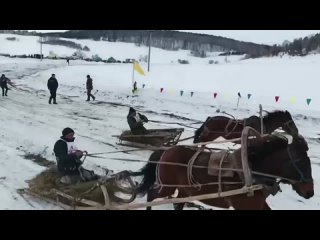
(187, 199)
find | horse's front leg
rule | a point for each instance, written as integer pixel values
(150, 197)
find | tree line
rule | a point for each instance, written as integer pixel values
(198, 44)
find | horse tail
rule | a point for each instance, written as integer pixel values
(149, 173)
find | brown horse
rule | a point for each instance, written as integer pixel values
(273, 155)
(228, 128)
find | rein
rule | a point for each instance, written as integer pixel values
(204, 167)
(181, 124)
(294, 164)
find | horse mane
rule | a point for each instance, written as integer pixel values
(275, 114)
(270, 143)
(199, 130)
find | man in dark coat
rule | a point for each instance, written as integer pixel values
(135, 88)
(89, 88)
(135, 121)
(69, 160)
(4, 84)
(53, 86)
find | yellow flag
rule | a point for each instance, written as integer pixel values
(293, 100)
(226, 96)
(137, 67)
(171, 91)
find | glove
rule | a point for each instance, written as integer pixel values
(79, 154)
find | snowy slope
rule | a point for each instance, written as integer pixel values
(120, 51)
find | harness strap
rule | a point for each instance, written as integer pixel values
(302, 177)
(234, 128)
(220, 170)
(191, 180)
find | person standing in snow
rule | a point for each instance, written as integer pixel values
(89, 88)
(53, 86)
(136, 121)
(4, 85)
(69, 161)
(135, 89)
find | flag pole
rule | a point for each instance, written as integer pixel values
(261, 118)
(132, 74)
(238, 102)
(149, 50)
(40, 46)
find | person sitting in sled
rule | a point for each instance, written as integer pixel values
(136, 121)
(69, 161)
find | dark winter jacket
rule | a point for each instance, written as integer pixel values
(68, 164)
(4, 81)
(52, 84)
(89, 84)
(136, 123)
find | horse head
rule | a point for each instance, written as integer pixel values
(300, 166)
(290, 162)
(289, 126)
(281, 119)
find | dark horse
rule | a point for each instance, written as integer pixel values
(273, 155)
(230, 128)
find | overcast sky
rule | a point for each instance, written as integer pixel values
(257, 36)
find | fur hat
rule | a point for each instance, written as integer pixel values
(66, 131)
(132, 110)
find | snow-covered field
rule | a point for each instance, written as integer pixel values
(30, 124)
